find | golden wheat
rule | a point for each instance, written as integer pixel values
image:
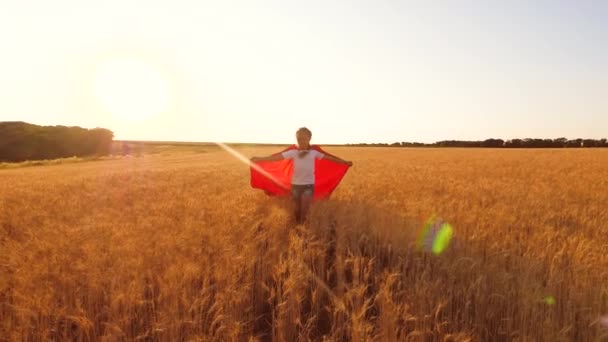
(179, 247)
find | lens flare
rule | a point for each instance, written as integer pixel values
(435, 236)
(549, 300)
(246, 161)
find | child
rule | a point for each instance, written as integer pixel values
(303, 179)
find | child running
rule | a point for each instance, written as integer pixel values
(303, 178)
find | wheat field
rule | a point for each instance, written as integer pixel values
(176, 246)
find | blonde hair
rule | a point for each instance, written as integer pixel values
(304, 130)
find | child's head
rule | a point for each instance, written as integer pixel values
(303, 136)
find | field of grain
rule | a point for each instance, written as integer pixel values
(178, 247)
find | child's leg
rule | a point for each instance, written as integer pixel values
(305, 201)
(295, 194)
(297, 209)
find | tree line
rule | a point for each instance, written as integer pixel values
(500, 143)
(21, 141)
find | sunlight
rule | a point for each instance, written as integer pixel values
(131, 89)
(246, 161)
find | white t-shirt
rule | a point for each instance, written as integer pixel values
(303, 167)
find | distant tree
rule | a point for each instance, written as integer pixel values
(548, 143)
(574, 143)
(492, 143)
(588, 143)
(102, 141)
(560, 142)
(21, 141)
(514, 143)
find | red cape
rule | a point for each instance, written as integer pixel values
(328, 175)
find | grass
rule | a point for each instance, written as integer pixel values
(177, 246)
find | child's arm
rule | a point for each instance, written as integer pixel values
(269, 158)
(337, 160)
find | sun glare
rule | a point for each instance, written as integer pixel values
(131, 89)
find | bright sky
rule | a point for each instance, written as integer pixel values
(351, 71)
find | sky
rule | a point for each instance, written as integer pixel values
(351, 71)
